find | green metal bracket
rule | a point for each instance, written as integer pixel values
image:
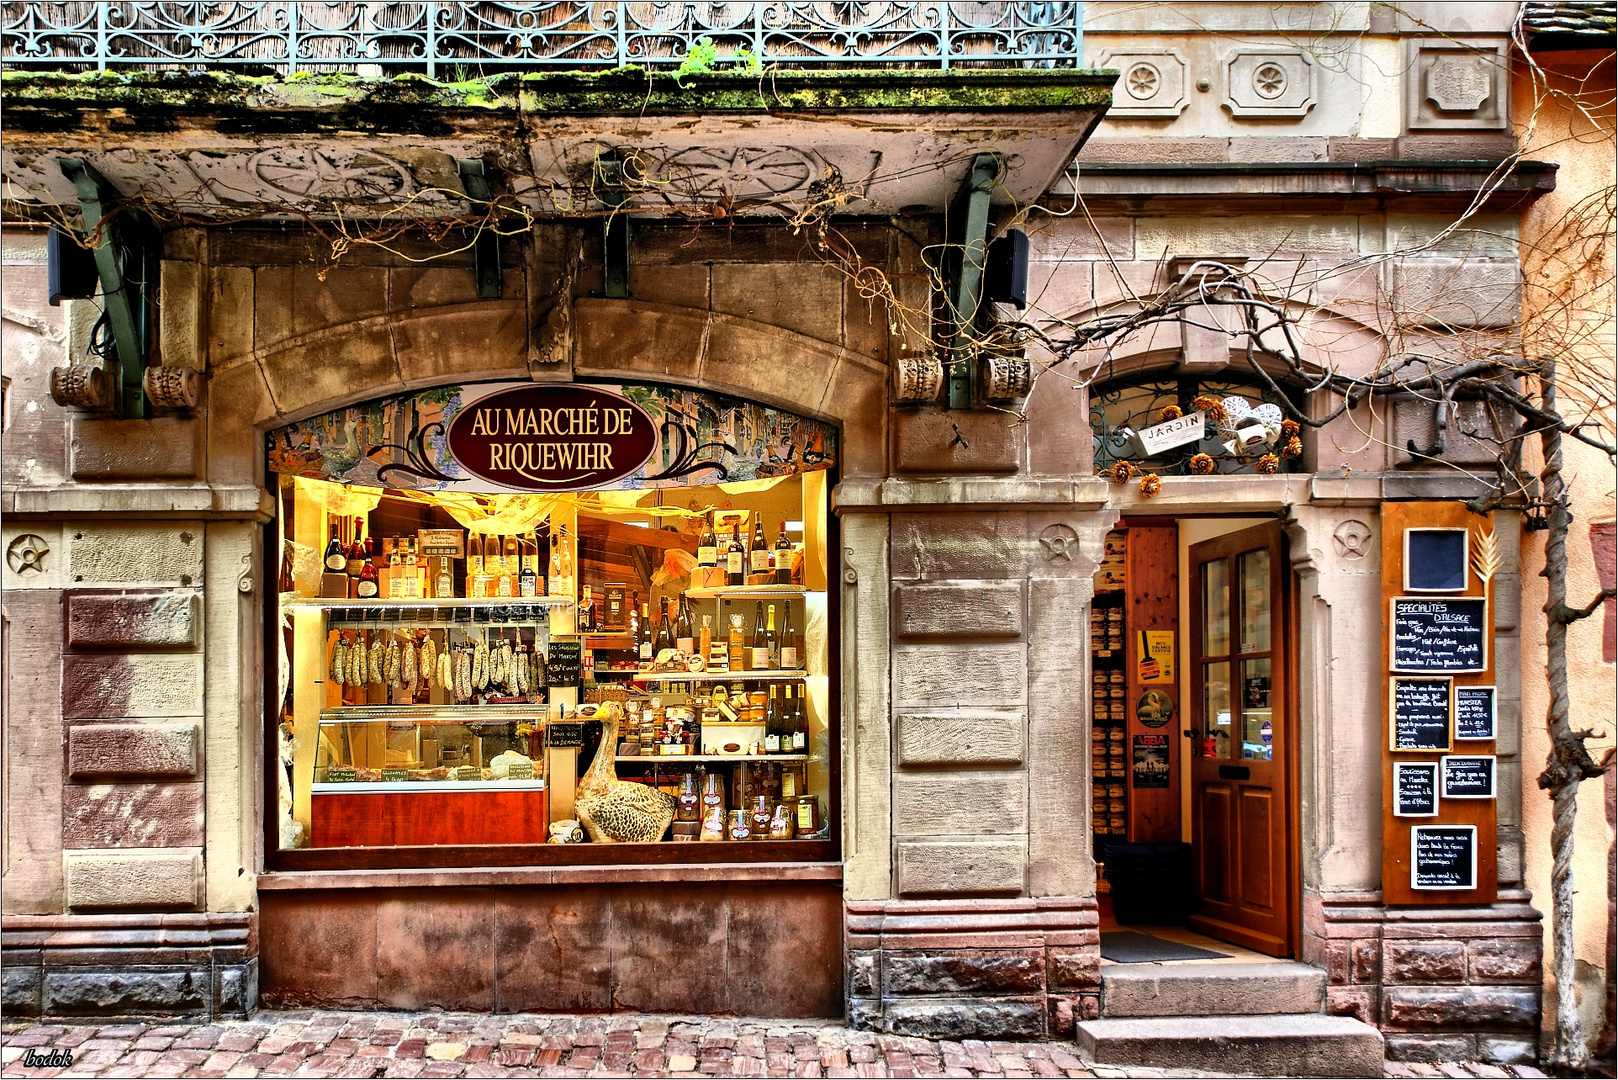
(967, 228)
(615, 231)
(486, 245)
(128, 304)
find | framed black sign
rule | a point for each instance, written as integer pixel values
(1474, 712)
(1443, 856)
(1435, 560)
(1448, 635)
(1419, 709)
(564, 733)
(563, 663)
(1415, 789)
(1468, 776)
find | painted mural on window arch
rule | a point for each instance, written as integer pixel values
(403, 441)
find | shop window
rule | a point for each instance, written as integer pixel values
(1118, 408)
(537, 624)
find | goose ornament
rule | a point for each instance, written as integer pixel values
(613, 810)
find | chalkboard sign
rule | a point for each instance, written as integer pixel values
(563, 662)
(1443, 856)
(1420, 712)
(1435, 560)
(1448, 635)
(1415, 789)
(1474, 712)
(559, 734)
(1467, 777)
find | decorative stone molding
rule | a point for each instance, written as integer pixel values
(1152, 84)
(1456, 86)
(1268, 83)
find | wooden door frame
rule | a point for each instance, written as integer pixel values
(1285, 619)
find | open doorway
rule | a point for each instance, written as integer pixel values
(1194, 739)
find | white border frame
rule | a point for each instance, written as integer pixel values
(1393, 715)
(1393, 634)
(1430, 766)
(1415, 832)
(1494, 714)
(1466, 559)
(1494, 775)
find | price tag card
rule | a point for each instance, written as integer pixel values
(1415, 789)
(1468, 777)
(1419, 714)
(1443, 856)
(1475, 712)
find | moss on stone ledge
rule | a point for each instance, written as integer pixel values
(311, 102)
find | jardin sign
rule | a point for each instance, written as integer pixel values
(552, 438)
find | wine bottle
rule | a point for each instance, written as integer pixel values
(366, 546)
(336, 557)
(554, 585)
(644, 641)
(705, 639)
(395, 577)
(682, 628)
(528, 577)
(772, 724)
(783, 557)
(789, 641)
(761, 643)
(736, 558)
(356, 551)
(708, 544)
(510, 567)
(474, 562)
(759, 558)
(772, 642)
(365, 587)
(798, 725)
(665, 640)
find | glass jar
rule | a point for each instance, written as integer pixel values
(740, 826)
(713, 823)
(688, 799)
(782, 824)
(759, 818)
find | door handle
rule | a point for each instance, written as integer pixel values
(1235, 772)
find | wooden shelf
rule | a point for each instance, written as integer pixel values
(390, 604)
(681, 759)
(747, 592)
(721, 676)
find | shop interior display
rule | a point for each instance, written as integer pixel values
(1109, 765)
(451, 661)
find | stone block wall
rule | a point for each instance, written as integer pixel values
(1443, 984)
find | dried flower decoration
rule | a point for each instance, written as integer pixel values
(1170, 412)
(1202, 464)
(1293, 447)
(1269, 465)
(1151, 484)
(1121, 472)
(1210, 405)
(1289, 429)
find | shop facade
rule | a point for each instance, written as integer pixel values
(1004, 661)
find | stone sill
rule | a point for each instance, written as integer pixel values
(566, 875)
(858, 495)
(142, 500)
(1099, 179)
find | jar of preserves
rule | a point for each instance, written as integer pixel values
(759, 817)
(783, 825)
(688, 799)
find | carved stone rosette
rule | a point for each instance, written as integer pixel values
(172, 388)
(79, 386)
(917, 379)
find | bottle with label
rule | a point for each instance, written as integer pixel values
(735, 558)
(587, 612)
(356, 551)
(395, 577)
(682, 629)
(474, 562)
(664, 639)
(708, 544)
(789, 641)
(554, 584)
(783, 557)
(365, 584)
(644, 641)
(528, 577)
(336, 556)
(445, 585)
(797, 724)
(759, 557)
(772, 723)
(366, 545)
(705, 638)
(412, 571)
(760, 660)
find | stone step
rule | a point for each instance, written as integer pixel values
(1285, 1045)
(1211, 989)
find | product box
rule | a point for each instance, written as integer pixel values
(731, 739)
(334, 586)
(707, 577)
(614, 608)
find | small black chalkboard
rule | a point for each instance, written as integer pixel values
(1443, 857)
(1420, 712)
(1474, 712)
(558, 734)
(1469, 777)
(1415, 789)
(1435, 560)
(1440, 635)
(563, 662)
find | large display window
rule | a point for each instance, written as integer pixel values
(529, 624)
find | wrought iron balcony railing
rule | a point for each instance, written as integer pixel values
(458, 40)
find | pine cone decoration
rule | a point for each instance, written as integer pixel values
(1269, 465)
(1170, 412)
(1293, 447)
(1150, 485)
(1202, 464)
(1121, 472)
(1289, 428)
(1210, 405)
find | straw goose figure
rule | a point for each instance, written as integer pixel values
(613, 810)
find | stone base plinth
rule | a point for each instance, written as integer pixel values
(973, 968)
(130, 965)
(1443, 983)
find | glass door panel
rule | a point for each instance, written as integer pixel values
(1255, 579)
(1258, 730)
(1215, 609)
(1216, 707)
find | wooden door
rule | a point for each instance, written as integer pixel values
(1242, 735)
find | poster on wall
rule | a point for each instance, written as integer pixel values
(1443, 856)
(1439, 635)
(527, 436)
(1155, 652)
(1475, 711)
(1151, 761)
(1419, 709)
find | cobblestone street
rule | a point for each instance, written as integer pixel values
(339, 1044)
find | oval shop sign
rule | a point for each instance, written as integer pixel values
(552, 438)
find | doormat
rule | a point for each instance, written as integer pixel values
(1130, 947)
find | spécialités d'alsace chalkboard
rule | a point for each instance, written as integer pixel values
(1419, 709)
(1443, 856)
(1468, 776)
(1439, 635)
(1415, 789)
(1474, 712)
